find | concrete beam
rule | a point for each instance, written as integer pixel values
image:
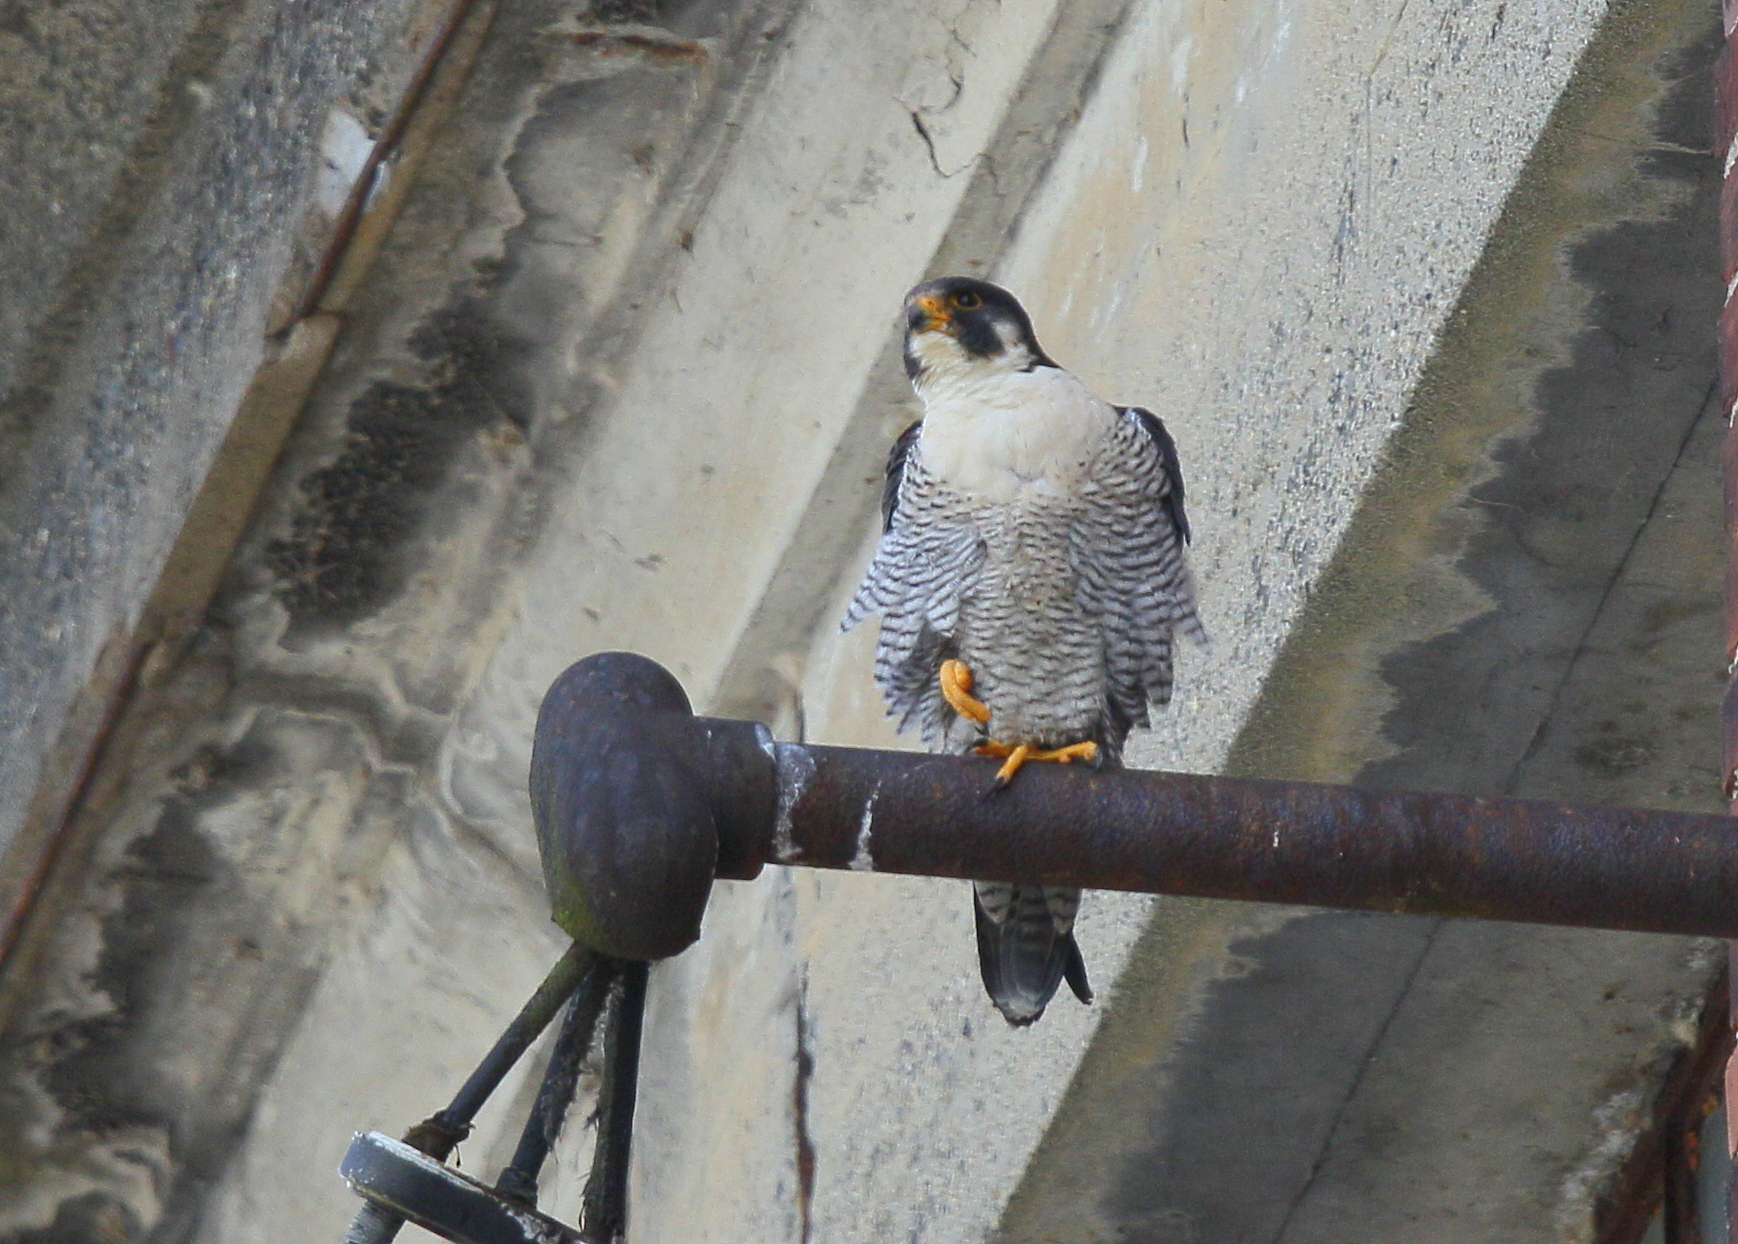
(174, 173)
(621, 379)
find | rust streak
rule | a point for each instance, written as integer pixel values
(647, 46)
(344, 229)
(805, 1156)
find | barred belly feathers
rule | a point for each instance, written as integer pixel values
(1029, 578)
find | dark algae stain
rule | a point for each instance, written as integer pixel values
(346, 553)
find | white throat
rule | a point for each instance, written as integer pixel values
(998, 433)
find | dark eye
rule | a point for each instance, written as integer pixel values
(965, 300)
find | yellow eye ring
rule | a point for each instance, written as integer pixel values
(965, 300)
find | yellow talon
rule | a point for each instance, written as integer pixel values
(956, 686)
(1086, 750)
(1018, 755)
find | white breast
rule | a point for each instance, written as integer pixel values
(1002, 434)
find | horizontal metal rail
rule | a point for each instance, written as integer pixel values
(640, 804)
(1275, 842)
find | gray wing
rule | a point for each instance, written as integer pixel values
(1128, 552)
(929, 554)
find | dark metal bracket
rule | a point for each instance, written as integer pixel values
(402, 1183)
(408, 1181)
(640, 805)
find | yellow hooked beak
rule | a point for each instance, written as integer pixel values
(929, 313)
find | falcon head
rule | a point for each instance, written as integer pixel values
(956, 324)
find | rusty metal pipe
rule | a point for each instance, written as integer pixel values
(639, 802)
(1277, 842)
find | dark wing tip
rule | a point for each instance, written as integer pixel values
(1074, 971)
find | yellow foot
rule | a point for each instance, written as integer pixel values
(956, 686)
(1018, 754)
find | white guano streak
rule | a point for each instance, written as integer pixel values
(793, 769)
(863, 861)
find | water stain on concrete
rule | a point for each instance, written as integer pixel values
(1526, 603)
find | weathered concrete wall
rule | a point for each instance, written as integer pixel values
(159, 192)
(1528, 602)
(623, 378)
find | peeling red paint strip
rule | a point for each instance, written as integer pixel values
(1725, 106)
(1726, 126)
(1729, 454)
(1624, 1211)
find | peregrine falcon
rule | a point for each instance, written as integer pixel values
(1029, 577)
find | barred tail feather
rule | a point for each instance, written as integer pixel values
(1026, 947)
(1191, 626)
